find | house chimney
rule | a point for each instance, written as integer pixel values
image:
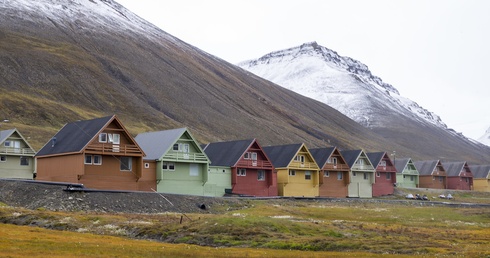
(53, 141)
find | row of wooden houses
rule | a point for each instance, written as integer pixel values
(101, 154)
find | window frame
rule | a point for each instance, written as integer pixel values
(88, 162)
(94, 160)
(24, 158)
(7, 143)
(308, 175)
(326, 173)
(103, 137)
(3, 158)
(341, 177)
(129, 165)
(241, 172)
(174, 147)
(260, 175)
(388, 176)
(292, 172)
(365, 176)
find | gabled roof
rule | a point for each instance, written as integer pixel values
(375, 157)
(5, 134)
(227, 154)
(401, 163)
(454, 168)
(157, 144)
(480, 171)
(351, 156)
(321, 155)
(75, 136)
(282, 155)
(426, 168)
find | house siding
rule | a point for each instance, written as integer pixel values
(382, 185)
(297, 185)
(180, 181)
(481, 184)
(11, 168)
(332, 187)
(250, 185)
(459, 183)
(360, 187)
(435, 182)
(407, 180)
(64, 168)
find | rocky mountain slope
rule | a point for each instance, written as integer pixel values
(62, 61)
(348, 86)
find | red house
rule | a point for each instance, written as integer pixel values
(252, 173)
(385, 176)
(459, 176)
(334, 172)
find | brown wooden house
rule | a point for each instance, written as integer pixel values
(459, 176)
(98, 153)
(252, 173)
(334, 172)
(385, 175)
(431, 174)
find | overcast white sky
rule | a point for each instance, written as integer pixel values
(436, 52)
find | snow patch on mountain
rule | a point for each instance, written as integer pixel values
(485, 139)
(341, 82)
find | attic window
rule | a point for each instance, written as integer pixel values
(366, 176)
(175, 147)
(7, 144)
(103, 137)
(3, 158)
(246, 155)
(300, 158)
(382, 163)
(114, 138)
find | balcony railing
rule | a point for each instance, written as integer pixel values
(303, 165)
(336, 166)
(17, 151)
(185, 156)
(114, 149)
(255, 163)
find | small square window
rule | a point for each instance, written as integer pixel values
(354, 173)
(103, 137)
(260, 175)
(165, 166)
(3, 158)
(126, 164)
(7, 144)
(175, 147)
(246, 155)
(377, 174)
(97, 160)
(88, 159)
(292, 172)
(24, 161)
(242, 172)
(171, 166)
(339, 176)
(326, 173)
(147, 165)
(307, 175)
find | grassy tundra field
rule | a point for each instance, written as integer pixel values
(255, 228)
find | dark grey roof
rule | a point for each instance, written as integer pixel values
(480, 171)
(227, 153)
(157, 144)
(453, 168)
(73, 137)
(321, 155)
(375, 158)
(401, 163)
(282, 155)
(426, 168)
(351, 156)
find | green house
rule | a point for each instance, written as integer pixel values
(16, 156)
(407, 175)
(180, 164)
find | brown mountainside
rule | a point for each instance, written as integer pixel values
(61, 62)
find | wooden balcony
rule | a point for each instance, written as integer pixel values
(181, 156)
(340, 167)
(114, 149)
(307, 165)
(254, 164)
(17, 151)
(386, 169)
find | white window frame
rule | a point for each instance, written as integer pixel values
(378, 174)
(129, 165)
(340, 176)
(382, 163)
(89, 162)
(307, 175)
(300, 158)
(103, 137)
(326, 173)
(246, 155)
(147, 165)
(114, 138)
(260, 175)
(7, 143)
(185, 148)
(26, 160)
(3, 158)
(292, 172)
(94, 158)
(253, 155)
(241, 172)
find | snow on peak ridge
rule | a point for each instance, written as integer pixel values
(485, 139)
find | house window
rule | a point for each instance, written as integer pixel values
(332, 161)
(103, 137)
(440, 179)
(300, 158)
(175, 147)
(354, 173)
(24, 161)
(3, 158)
(366, 176)
(114, 138)
(97, 160)
(326, 174)
(88, 159)
(254, 155)
(246, 155)
(388, 176)
(147, 165)
(292, 172)
(126, 163)
(194, 170)
(7, 144)
(412, 178)
(377, 174)
(168, 166)
(382, 163)
(339, 175)
(241, 172)
(307, 175)
(260, 175)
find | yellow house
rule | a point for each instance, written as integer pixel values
(481, 178)
(297, 170)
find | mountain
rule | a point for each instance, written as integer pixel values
(62, 61)
(348, 86)
(485, 139)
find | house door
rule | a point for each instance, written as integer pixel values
(353, 189)
(254, 159)
(16, 145)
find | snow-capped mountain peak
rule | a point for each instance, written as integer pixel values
(485, 139)
(341, 82)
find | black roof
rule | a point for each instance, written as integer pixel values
(480, 171)
(453, 168)
(226, 153)
(426, 167)
(375, 157)
(73, 137)
(401, 163)
(282, 155)
(321, 155)
(351, 156)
